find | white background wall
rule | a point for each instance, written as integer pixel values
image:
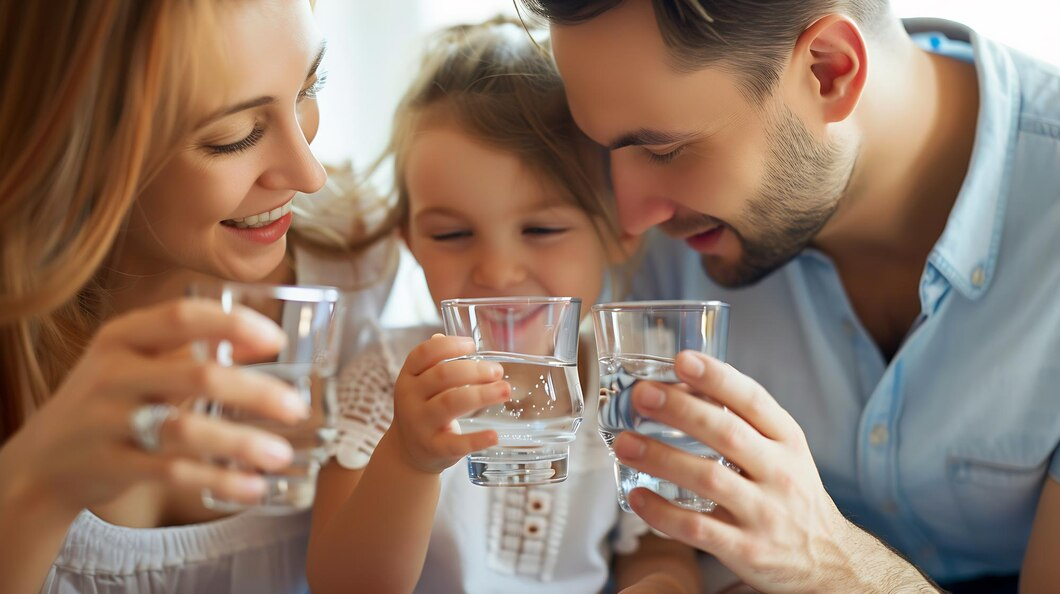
(374, 45)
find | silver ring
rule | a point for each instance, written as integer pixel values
(146, 422)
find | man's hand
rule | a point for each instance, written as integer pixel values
(776, 528)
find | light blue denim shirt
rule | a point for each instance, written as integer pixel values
(943, 451)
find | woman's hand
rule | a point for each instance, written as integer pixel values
(80, 448)
(432, 392)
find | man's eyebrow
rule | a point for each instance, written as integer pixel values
(266, 99)
(645, 136)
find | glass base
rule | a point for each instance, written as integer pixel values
(285, 493)
(631, 478)
(518, 466)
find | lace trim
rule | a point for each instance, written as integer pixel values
(526, 528)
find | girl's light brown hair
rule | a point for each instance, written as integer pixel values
(498, 83)
(96, 97)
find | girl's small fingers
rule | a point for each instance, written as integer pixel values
(461, 372)
(460, 402)
(435, 350)
(198, 436)
(455, 445)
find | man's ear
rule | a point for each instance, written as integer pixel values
(830, 63)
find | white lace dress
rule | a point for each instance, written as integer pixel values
(553, 538)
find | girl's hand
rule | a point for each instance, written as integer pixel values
(80, 449)
(432, 392)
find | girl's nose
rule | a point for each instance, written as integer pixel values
(498, 269)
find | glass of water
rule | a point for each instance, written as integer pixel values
(310, 317)
(535, 339)
(636, 342)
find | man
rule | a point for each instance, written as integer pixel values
(883, 214)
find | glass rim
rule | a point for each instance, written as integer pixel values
(660, 306)
(464, 302)
(300, 293)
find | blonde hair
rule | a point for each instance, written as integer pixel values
(97, 96)
(498, 83)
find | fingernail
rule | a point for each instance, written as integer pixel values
(491, 369)
(276, 450)
(265, 328)
(636, 499)
(694, 366)
(253, 486)
(294, 404)
(630, 447)
(651, 397)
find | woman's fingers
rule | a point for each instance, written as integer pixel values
(197, 436)
(197, 476)
(245, 389)
(174, 324)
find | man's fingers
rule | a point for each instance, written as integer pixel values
(741, 394)
(708, 478)
(707, 423)
(698, 530)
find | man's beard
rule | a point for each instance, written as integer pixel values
(804, 182)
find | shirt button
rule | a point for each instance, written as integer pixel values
(978, 277)
(878, 435)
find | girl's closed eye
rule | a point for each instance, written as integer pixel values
(544, 230)
(451, 235)
(664, 158)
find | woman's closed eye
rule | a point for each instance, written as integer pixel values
(664, 158)
(240, 145)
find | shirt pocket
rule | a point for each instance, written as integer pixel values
(997, 484)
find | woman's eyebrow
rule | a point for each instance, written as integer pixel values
(266, 99)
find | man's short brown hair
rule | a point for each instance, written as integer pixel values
(752, 38)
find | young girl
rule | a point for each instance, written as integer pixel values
(498, 195)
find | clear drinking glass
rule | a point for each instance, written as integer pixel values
(310, 317)
(638, 341)
(535, 339)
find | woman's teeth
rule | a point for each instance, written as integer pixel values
(260, 219)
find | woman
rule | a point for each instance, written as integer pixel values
(145, 145)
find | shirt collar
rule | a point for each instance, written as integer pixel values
(966, 252)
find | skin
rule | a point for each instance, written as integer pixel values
(77, 451)
(875, 198)
(470, 244)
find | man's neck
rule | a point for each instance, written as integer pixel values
(918, 119)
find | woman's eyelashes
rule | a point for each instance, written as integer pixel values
(664, 158)
(241, 145)
(313, 89)
(258, 131)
